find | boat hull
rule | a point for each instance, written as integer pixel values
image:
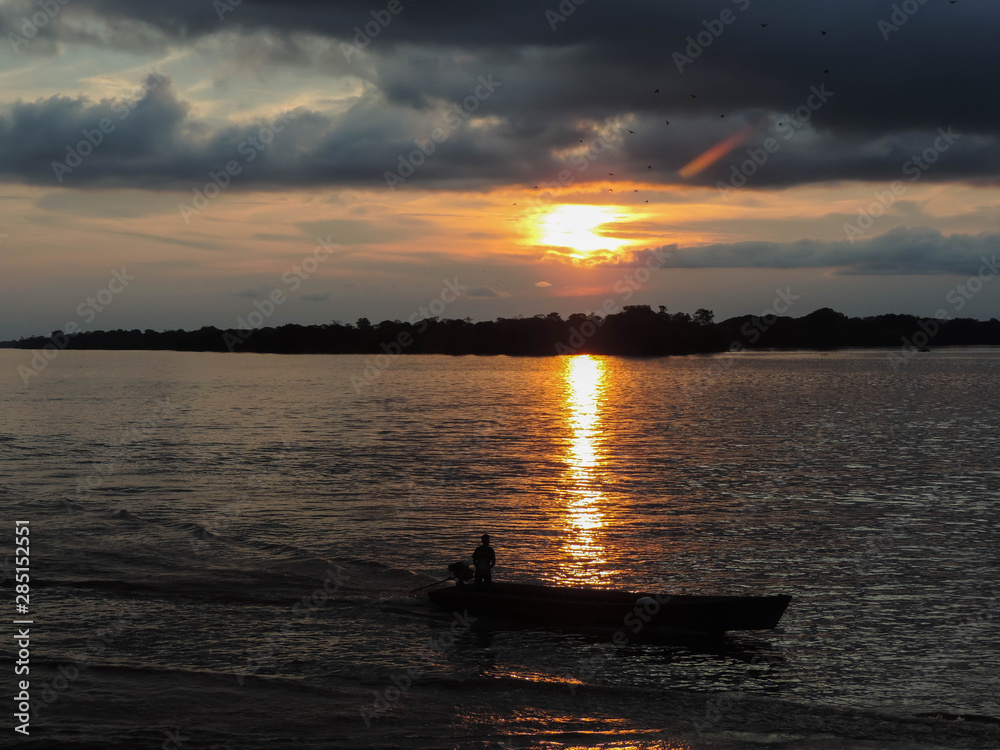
(552, 605)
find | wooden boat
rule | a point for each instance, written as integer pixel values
(564, 606)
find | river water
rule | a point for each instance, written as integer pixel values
(223, 547)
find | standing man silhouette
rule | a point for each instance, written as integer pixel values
(484, 558)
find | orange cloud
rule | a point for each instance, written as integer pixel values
(716, 152)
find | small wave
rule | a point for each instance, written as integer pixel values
(202, 532)
(945, 716)
(144, 671)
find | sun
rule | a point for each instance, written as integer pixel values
(573, 226)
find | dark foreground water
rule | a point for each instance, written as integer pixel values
(223, 546)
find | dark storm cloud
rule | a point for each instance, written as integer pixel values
(153, 142)
(901, 250)
(886, 91)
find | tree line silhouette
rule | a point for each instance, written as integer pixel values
(637, 330)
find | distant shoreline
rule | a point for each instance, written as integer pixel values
(637, 331)
(5, 345)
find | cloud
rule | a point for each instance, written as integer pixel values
(481, 292)
(887, 99)
(320, 297)
(542, 284)
(198, 245)
(129, 204)
(899, 251)
(361, 231)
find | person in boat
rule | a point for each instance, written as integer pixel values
(484, 558)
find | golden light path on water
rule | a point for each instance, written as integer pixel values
(584, 398)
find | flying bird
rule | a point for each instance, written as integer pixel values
(632, 132)
(822, 33)
(763, 25)
(657, 91)
(667, 121)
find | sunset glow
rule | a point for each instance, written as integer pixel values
(578, 227)
(210, 159)
(667, 316)
(585, 384)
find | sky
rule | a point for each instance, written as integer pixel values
(174, 165)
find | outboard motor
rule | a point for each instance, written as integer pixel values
(461, 571)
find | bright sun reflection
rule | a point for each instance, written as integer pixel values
(573, 226)
(584, 377)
